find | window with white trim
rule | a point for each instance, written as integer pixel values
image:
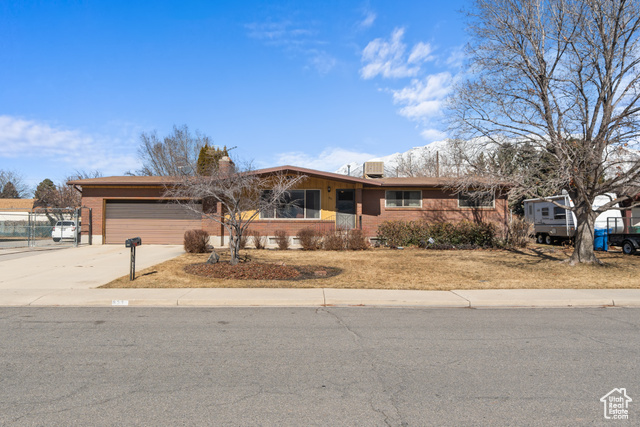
(403, 199)
(559, 213)
(296, 204)
(466, 200)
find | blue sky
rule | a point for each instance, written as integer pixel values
(310, 83)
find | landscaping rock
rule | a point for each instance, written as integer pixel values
(213, 258)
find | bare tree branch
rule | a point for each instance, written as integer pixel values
(174, 155)
(17, 181)
(561, 77)
(233, 197)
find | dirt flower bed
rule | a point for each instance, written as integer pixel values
(259, 271)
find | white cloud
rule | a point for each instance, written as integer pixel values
(322, 62)
(434, 86)
(329, 159)
(433, 135)
(456, 58)
(296, 39)
(279, 33)
(421, 52)
(387, 58)
(423, 99)
(421, 110)
(368, 20)
(71, 149)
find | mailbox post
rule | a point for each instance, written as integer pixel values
(132, 243)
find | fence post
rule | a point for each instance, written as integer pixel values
(90, 227)
(29, 230)
(78, 230)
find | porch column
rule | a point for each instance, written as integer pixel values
(359, 208)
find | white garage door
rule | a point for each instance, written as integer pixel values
(154, 222)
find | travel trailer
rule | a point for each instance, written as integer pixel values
(553, 224)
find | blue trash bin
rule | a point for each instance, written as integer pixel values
(600, 240)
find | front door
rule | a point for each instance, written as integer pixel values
(345, 209)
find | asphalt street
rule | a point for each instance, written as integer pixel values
(307, 366)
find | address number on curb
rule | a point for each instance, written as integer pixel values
(120, 302)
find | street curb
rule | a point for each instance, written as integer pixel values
(320, 297)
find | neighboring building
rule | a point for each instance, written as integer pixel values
(130, 206)
(15, 209)
(14, 217)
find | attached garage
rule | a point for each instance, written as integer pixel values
(156, 222)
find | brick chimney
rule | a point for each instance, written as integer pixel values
(225, 165)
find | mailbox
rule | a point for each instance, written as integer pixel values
(133, 242)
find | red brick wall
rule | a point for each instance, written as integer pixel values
(266, 227)
(437, 206)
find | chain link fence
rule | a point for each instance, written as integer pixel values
(44, 227)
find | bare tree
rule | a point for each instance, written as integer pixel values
(561, 76)
(232, 197)
(67, 196)
(411, 164)
(174, 155)
(61, 195)
(424, 162)
(17, 181)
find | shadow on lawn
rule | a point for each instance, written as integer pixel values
(148, 273)
(538, 254)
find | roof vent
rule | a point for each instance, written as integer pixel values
(373, 169)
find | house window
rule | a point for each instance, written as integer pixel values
(296, 204)
(466, 200)
(545, 212)
(559, 213)
(403, 199)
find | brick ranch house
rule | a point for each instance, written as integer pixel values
(129, 206)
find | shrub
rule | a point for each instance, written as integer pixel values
(258, 240)
(334, 241)
(309, 239)
(243, 240)
(282, 240)
(356, 240)
(196, 241)
(442, 234)
(519, 232)
(395, 233)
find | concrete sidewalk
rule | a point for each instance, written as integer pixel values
(69, 277)
(321, 297)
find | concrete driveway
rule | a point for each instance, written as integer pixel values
(84, 267)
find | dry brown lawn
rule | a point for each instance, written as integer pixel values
(538, 267)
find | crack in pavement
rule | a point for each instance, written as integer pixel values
(391, 414)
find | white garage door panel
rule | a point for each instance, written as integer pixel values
(154, 223)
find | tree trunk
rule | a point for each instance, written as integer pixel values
(234, 249)
(583, 251)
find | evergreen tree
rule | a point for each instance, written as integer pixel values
(9, 191)
(209, 158)
(45, 194)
